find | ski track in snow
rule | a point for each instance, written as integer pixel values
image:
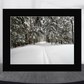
(46, 58)
(63, 54)
(43, 53)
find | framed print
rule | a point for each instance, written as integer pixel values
(42, 39)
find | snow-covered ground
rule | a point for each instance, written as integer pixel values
(43, 53)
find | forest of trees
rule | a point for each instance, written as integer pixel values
(25, 30)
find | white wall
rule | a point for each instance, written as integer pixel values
(0, 31)
(17, 4)
(65, 3)
(40, 4)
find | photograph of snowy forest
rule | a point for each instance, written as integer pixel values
(42, 39)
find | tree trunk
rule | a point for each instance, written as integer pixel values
(72, 32)
(30, 30)
(61, 41)
(25, 38)
(34, 41)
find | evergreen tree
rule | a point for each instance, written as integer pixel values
(27, 29)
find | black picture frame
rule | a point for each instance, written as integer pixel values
(42, 12)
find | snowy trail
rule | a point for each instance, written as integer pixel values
(27, 55)
(43, 53)
(58, 54)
